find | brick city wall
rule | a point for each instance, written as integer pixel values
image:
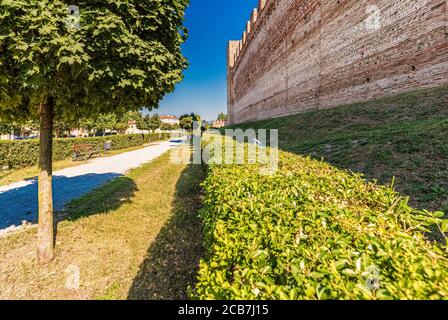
(300, 55)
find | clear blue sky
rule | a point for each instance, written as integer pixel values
(211, 24)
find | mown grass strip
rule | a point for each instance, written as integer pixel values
(136, 237)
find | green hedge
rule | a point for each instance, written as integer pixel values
(311, 231)
(23, 153)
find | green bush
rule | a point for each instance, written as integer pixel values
(311, 231)
(19, 154)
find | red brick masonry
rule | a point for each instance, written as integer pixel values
(300, 55)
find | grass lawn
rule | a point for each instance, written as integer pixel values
(137, 237)
(404, 136)
(31, 172)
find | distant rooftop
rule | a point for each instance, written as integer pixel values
(168, 117)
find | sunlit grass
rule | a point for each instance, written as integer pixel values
(136, 237)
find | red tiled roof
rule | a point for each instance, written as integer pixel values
(168, 117)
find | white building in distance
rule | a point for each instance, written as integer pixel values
(169, 119)
(132, 128)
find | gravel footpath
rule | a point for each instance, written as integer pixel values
(18, 201)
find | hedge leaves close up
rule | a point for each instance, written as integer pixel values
(312, 231)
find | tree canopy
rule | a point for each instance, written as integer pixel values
(186, 121)
(7, 126)
(105, 121)
(222, 116)
(124, 55)
(150, 122)
(168, 127)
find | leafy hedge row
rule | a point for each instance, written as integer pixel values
(19, 154)
(311, 231)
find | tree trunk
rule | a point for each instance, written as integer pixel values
(45, 237)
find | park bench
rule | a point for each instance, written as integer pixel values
(84, 152)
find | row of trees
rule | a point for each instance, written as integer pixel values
(222, 116)
(7, 127)
(153, 122)
(99, 124)
(111, 121)
(147, 122)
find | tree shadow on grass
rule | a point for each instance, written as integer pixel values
(103, 199)
(73, 197)
(172, 261)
